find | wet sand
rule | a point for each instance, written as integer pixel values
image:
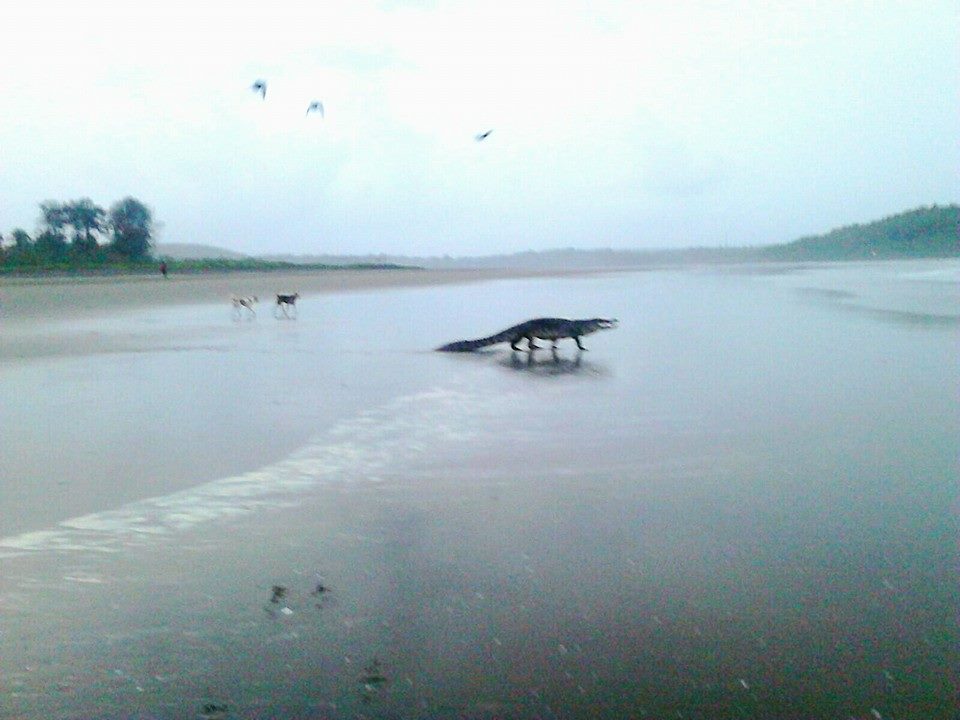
(63, 298)
(114, 389)
(742, 503)
(36, 314)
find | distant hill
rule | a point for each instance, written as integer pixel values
(557, 259)
(192, 251)
(924, 232)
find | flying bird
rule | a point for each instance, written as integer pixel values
(260, 86)
(482, 136)
(315, 105)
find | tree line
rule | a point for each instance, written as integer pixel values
(930, 231)
(80, 233)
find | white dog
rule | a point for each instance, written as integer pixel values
(244, 302)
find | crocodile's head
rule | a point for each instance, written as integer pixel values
(594, 324)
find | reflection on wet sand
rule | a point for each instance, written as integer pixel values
(551, 362)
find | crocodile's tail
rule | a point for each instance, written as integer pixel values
(471, 345)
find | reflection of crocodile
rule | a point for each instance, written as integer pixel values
(544, 328)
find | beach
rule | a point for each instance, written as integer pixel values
(740, 503)
(103, 351)
(54, 297)
(39, 314)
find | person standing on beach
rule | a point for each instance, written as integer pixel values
(163, 268)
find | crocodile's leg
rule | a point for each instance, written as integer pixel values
(531, 345)
(579, 344)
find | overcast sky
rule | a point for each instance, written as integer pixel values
(615, 124)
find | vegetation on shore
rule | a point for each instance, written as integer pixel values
(79, 237)
(923, 232)
(926, 232)
(200, 265)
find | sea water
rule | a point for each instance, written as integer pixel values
(740, 503)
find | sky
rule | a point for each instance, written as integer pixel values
(614, 124)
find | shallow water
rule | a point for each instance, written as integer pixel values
(741, 503)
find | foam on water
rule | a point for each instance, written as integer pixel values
(363, 448)
(945, 272)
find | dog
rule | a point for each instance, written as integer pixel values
(244, 302)
(285, 302)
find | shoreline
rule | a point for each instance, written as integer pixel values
(58, 317)
(64, 298)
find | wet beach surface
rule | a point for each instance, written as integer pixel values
(741, 503)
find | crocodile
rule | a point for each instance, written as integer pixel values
(543, 328)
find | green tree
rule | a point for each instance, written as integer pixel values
(86, 219)
(51, 246)
(21, 240)
(51, 242)
(132, 224)
(53, 217)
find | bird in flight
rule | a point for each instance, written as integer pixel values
(315, 105)
(482, 136)
(260, 86)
